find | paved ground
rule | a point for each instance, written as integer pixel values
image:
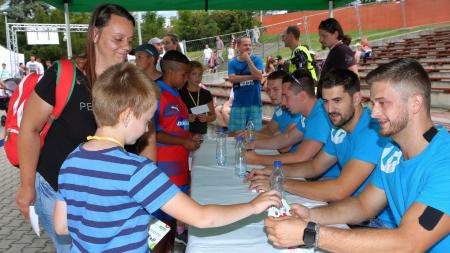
(16, 234)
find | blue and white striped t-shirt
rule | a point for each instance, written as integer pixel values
(110, 194)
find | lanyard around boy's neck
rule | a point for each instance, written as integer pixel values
(105, 138)
(192, 98)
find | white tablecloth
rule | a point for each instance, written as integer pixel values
(212, 184)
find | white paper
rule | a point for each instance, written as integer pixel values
(200, 109)
(34, 220)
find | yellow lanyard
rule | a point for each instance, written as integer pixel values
(198, 96)
(104, 138)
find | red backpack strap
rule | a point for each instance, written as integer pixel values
(65, 81)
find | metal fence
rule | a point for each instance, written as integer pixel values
(374, 21)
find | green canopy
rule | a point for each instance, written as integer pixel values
(161, 5)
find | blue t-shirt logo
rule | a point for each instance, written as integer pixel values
(338, 135)
(303, 122)
(279, 112)
(389, 159)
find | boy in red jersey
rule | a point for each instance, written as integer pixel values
(173, 139)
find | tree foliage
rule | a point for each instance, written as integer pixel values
(199, 24)
(152, 26)
(189, 25)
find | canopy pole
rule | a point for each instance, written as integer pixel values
(404, 13)
(330, 9)
(139, 16)
(8, 43)
(206, 5)
(68, 38)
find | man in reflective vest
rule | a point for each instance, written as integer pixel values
(300, 56)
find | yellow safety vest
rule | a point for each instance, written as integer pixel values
(309, 65)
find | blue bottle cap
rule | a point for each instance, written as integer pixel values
(240, 138)
(277, 164)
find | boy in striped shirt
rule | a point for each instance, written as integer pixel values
(106, 194)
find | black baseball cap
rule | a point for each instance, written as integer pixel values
(148, 48)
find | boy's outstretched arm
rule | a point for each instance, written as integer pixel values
(60, 218)
(187, 142)
(183, 208)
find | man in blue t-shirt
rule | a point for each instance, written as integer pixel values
(312, 130)
(354, 144)
(413, 177)
(245, 72)
(282, 120)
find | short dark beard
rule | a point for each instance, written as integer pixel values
(340, 124)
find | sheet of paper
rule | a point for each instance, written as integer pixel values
(200, 109)
(34, 220)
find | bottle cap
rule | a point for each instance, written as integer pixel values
(277, 164)
(240, 138)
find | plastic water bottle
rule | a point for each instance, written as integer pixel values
(277, 178)
(240, 163)
(221, 149)
(250, 129)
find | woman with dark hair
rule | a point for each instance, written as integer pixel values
(109, 39)
(341, 56)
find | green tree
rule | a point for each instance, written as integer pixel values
(38, 12)
(199, 24)
(152, 26)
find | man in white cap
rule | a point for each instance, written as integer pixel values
(157, 43)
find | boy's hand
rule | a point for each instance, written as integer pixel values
(242, 133)
(190, 144)
(258, 174)
(202, 118)
(260, 185)
(265, 200)
(191, 118)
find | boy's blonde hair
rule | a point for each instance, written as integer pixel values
(120, 87)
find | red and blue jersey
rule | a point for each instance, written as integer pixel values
(172, 118)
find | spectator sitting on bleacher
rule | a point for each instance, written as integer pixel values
(269, 68)
(358, 53)
(223, 111)
(366, 49)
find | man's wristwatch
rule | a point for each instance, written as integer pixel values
(310, 234)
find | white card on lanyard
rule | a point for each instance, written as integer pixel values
(156, 231)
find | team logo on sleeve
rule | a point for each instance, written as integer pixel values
(279, 112)
(302, 121)
(390, 159)
(183, 123)
(338, 135)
